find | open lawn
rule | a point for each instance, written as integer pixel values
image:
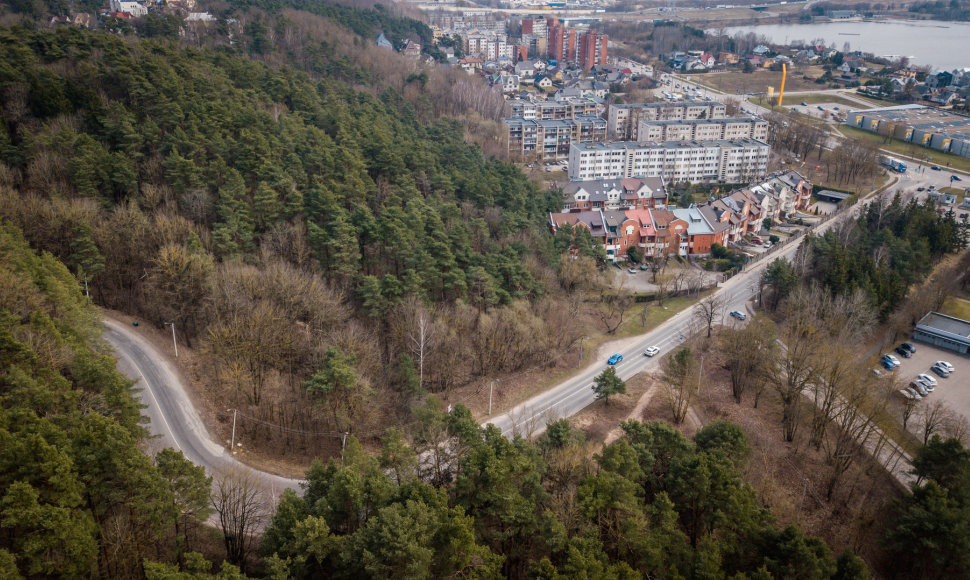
(758, 81)
(957, 307)
(903, 148)
(634, 322)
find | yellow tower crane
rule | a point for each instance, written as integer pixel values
(781, 91)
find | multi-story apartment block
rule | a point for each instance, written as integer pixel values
(535, 26)
(592, 50)
(552, 110)
(703, 129)
(551, 139)
(623, 121)
(561, 42)
(731, 161)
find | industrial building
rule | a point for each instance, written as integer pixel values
(623, 121)
(727, 161)
(918, 124)
(944, 331)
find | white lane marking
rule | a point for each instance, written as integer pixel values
(161, 412)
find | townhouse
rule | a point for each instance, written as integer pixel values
(733, 161)
(613, 194)
(623, 120)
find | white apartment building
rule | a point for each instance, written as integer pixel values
(729, 161)
(704, 129)
(134, 8)
(623, 121)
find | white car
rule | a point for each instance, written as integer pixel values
(891, 358)
(919, 388)
(927, 379)
(651, 350)
(929, 387)
(910, 393)
(945, 365)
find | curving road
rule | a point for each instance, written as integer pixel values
(173, 420)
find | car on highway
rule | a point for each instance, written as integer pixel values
(949, 368)
(926, 379)
(936, 168)
(651, 350)
(820, 108)
(920, 189)
(940, 370)
(903, 352)
(738, 314)
(804, 104)
(955, 178)
(616, 358)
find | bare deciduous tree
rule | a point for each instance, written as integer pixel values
(238, 499)
(680, 381)
(708, 310)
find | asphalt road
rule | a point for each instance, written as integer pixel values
(573, 395)
(173, 420)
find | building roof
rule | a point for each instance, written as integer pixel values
(946, 326)
(645, 219)
(696, 224)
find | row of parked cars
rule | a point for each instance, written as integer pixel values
(923, 384)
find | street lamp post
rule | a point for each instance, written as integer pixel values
(232, 442)
(176, 344)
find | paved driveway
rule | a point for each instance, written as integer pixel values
(955, 389)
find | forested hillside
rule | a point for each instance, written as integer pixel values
(289, 226)
(651, 505)
(78, 499)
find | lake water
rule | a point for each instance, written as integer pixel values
(942, 45)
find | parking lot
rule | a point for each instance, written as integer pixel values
(955, 389)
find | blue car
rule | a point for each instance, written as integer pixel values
(615, 359)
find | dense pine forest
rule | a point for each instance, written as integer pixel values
(237, 199)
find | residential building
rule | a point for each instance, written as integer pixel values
(136, 9)
(551, 140)
(411, 49)
(612, 194)
(732, 161)
(703, 129)
(561, 42)
(592, 50)
(552, 110)
(613, 229)
(623, 121)
(728, 57)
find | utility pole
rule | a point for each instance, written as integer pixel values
(232, 442)
(490, 385)
(176, 344)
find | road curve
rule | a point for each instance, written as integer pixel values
(173, 420)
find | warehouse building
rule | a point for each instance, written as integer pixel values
(944, 331)
(918, 124)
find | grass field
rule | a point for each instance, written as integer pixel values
(759, 80)
(903, 148)
(957, 307)
(821, 98)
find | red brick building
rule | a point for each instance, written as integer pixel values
(592, 50)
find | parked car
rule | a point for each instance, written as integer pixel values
(891, 359)
(920, 189)
(887, 365)
(820, 108)
(926, 379)
(804, 104)
(909, 346)
(756, 240)
(929, 388)
(738, 314)
(949, 368)
(940, 370)
(767, 244)
(631, 270)
(910, 394)
(919, 388)
(644, 267)
(903, 352)
(616, 358)
(651, 350)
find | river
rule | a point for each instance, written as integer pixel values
(942, 45)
